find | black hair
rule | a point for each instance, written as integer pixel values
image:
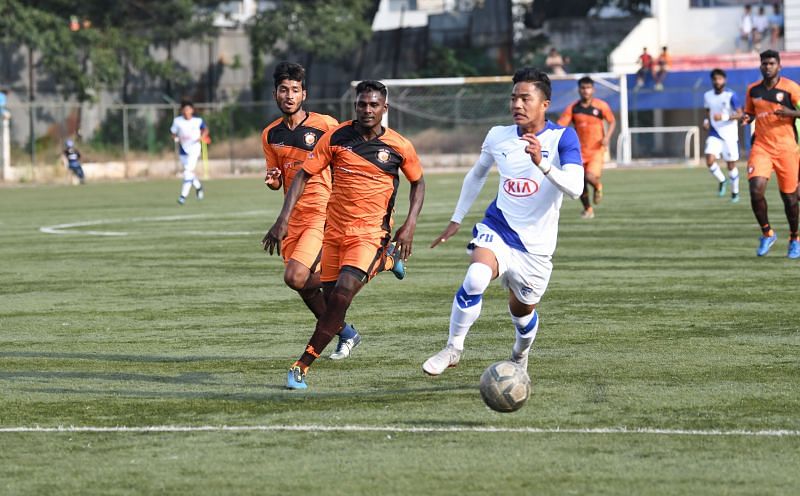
(290, 71)
(186, 103)
(585, 80)
(770, 54)
(536, 77)
(372, 85)
(718, 72)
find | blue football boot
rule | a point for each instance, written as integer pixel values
(794, 249)
(296, 378)
(765, 243)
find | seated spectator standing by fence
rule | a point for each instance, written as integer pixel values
(745, 30)
(760, 28)
(663, 64)
(72, 158)
(775, 26)
(555, 63)
(645, 61)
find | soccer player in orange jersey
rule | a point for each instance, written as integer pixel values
(772, 105)
(588, 115)
(367, 160)
(286, 143)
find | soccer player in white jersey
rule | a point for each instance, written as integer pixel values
(538, 162)
(723, 110)
(188, 130)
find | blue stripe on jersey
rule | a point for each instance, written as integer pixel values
(735, 103)
(569, 148)
(713, 132)
(497, 222)
(465, 300)
(202, 123)
(181, 151)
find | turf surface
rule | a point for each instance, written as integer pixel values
(658, 316)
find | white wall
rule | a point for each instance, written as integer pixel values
(791, 9)
(685, 30)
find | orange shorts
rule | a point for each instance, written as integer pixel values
(785, 165)
(593, 162)
(303, 241)
(362, 251)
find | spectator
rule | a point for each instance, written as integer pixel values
(775, 26)
(645, 61)
(745, 30)
(2, 101)
(760, 27)
(555, 63)
(663, 64)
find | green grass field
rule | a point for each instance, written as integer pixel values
(658, 317)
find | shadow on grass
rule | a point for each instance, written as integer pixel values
(107, 357)
(190, 378)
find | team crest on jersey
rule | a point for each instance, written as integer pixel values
(309, 138)
(595, 112)
(779, 97)
(383, 155)
(520, 187)
(526, 291)
(545, 154)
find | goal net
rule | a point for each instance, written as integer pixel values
(452, 115)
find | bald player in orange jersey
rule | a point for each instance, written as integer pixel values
(588, 115)
(367, 160)
(772, 104)
(286, 143)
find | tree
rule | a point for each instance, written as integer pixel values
(93, 44)
(326, 29)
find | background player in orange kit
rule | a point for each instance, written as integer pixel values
(772, 104)
(587, 115)
(366, 159)
(286, 143)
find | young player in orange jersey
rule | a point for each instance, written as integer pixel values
(286, 143)
(587, 115)
(772, 104)
(366, 159)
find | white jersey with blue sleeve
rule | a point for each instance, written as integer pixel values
(526, 211)
(188, 132)
(723, 104)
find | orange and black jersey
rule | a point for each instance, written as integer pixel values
(366, 176)
(773, 132)
(287, 149)
(588, 121)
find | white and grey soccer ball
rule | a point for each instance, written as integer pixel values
(505, 386)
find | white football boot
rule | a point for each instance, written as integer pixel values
(438, 363)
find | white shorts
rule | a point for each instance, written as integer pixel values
(729, 150)
(523, 273)
(189, 160)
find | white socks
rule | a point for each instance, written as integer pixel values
(468, 302)
(526, 332)
(190, 179)
(716, 172)
(733, 177)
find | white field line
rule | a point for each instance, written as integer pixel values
(399, 429)
(71, 227)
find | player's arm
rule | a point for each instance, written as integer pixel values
(274, 176)
(612, 125)
(749, 114)
(404, 236)
(272, 240)
(569, 177)
(565, 119)
(470, 189)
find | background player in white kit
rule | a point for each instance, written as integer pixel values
(723, 110)
(538, 162)
(187, 130)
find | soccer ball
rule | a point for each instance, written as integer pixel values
(505, 386)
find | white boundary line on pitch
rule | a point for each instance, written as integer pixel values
(68, 228)
(400, 429)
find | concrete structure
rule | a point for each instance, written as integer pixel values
(690, 30)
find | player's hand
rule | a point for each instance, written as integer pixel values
(403, 240)
(272, 179)
(534, 149)
(272, 240)
(746, 119)
(717, 117)
(449, 231)
(706, 124)
(783, 112)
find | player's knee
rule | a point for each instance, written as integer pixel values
(340, 298)
(477, 279)
(295, 279)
